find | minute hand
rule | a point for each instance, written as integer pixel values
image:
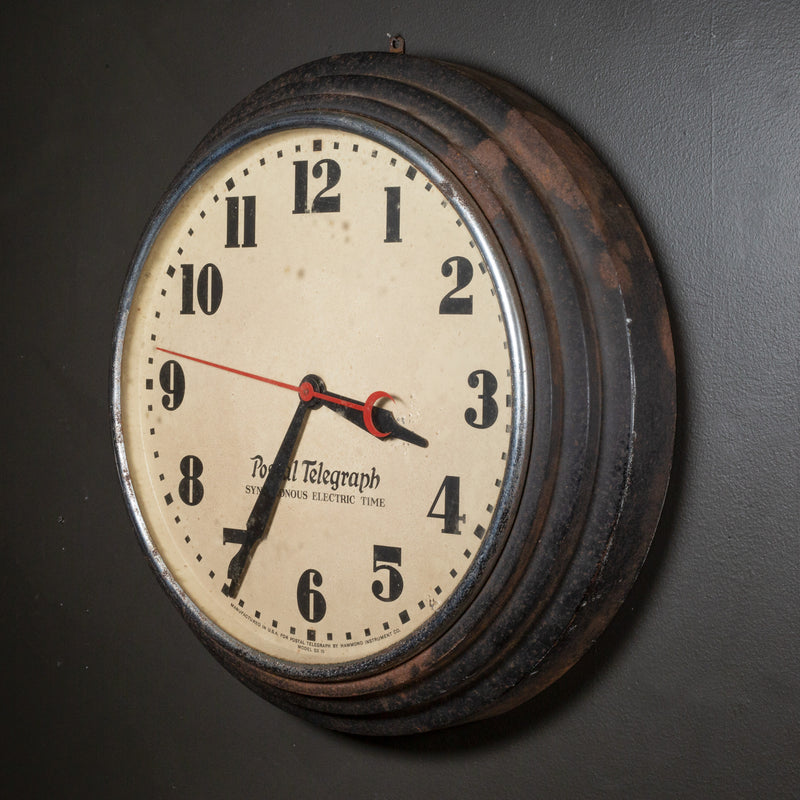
(260, 518)
(379, 418)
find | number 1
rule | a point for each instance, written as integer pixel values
(392, 214)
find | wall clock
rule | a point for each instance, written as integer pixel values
(393, 394)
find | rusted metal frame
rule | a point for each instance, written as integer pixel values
(493, 674)
(645, 478)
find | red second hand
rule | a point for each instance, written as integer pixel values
(231, 369)
(306, 391)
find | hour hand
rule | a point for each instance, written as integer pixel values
(380, 422)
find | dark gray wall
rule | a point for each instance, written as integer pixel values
(694, 691)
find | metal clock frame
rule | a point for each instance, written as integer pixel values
(584, 489)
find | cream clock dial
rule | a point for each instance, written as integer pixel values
(320, 373)
(393, 394)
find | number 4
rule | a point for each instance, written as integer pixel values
(451, 488)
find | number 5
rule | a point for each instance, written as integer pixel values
(382, 558)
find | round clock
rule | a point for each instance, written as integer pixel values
(393, 394)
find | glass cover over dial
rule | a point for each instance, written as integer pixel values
(318, 388)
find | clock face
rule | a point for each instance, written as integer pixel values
(321, 388)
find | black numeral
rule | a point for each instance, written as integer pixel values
(451, 489)
(249, 231)
(382, 559)
(464, 271)
(190, 489)
(173, 383)
(209, 289)
(310, 601)
(392, 214)
(489, 407)
(239, 560)
(321, 203)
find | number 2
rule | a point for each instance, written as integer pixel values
(463, 269)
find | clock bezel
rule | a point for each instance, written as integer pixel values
(520, 437)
